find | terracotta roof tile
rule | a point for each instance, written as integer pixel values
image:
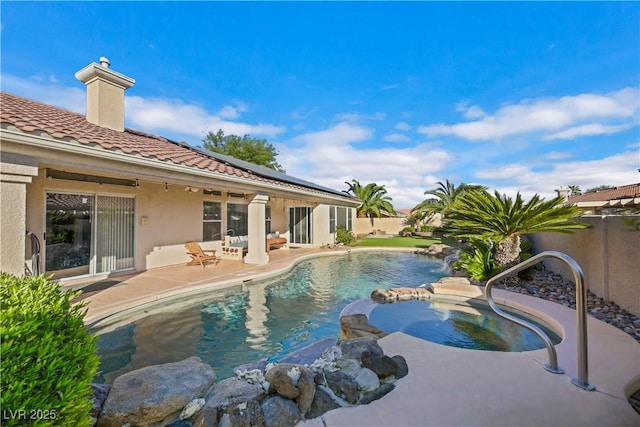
(623, 192)
(34, 117)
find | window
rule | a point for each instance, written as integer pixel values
(211, 221)
(237, 219)
(267, 219)
(339, 217)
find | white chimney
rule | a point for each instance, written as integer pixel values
(105, 94)
(564, 193)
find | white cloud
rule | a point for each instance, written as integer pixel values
(159, 114)
(544, 115)
(403, 126)
(396, 137)
(618, 169)
(357, 117)
(588, 130)
(339, 134)
(303, 113)
(148, 114)
(333, 156)
(388, 87)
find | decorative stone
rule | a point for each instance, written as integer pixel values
(307, 388)
(367, 380)
(357, 326)
(280, 378)
(352, 349)
(350, 367)
(322, 402)
(406, 294)
(279, 411)
(342, 385)
(232, 391)
(376, 394)
(383, 366)
(401, 364)
(151, 394)
(191, 408)
(206, 417)
(246, 414)
(180, 423)
(100, 393)
(383, 296)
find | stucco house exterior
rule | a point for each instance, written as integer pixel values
(96, 198)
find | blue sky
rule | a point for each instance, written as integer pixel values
(516, 96)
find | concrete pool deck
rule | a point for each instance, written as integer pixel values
(446, 386)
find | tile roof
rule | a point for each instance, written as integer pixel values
(623, 192)
(34, 117)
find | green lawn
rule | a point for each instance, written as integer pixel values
(404, 241)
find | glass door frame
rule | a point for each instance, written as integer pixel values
(93, 237)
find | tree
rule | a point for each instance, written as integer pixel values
(375, 202)
(445, 195)
(246, 148)
(502, 220)
(599, 188)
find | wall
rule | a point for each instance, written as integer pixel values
(608, 253)
(387, 225)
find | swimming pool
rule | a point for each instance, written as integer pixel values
(256, 320)
(461, 324)
(272, 318)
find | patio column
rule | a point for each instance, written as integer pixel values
(14, 178)
(257, 252)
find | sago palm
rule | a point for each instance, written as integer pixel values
(375, 202)
(502, 220)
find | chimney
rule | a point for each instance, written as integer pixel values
(105, 94)
(564, 193)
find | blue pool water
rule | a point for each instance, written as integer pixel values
(262, 320)
(273, 318)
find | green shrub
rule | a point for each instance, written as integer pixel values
(345, 237)
(427, 228)
(477, 260)
(48, 357)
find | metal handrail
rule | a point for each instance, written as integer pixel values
(581, 314)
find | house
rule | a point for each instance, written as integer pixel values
(624, 199)
(85, 196)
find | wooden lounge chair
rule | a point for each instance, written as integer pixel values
(198, 255)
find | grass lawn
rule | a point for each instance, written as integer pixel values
(404, 241)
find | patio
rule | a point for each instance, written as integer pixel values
(445, 385)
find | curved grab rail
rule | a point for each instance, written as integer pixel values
(581, 313)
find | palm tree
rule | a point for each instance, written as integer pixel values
(500, 219)
(375, 202)
(445, 195)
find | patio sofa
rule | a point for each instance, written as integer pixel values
(235, 247)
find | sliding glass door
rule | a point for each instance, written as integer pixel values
(301, 225)
(88, 234)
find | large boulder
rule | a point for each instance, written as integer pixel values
(279, 411)
(358, 326)
(150, 395)
(342, 385)
(322, 402)
(353, 349)
(383, 366)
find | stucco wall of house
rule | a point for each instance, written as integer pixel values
(14, 178)
(363, 226)
(608, 253)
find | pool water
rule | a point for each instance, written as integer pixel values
(463, 325)
(258, 320)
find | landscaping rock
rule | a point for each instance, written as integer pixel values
(246, 414)
(383, 366)
(279, 412)
(283, 378)
(340, 384)
(191, 408)
(100, 393)
(232, 391)
(357, 326)
(307, 388)
(352, 349)
(180, 423)
(151, 394)
(376, 394)
(367, 380)
(350, 367)
(402, 368)
(322, 402)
